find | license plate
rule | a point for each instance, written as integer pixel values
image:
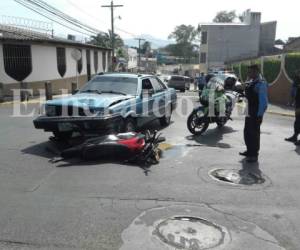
(63, 127)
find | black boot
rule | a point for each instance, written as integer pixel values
(292, 139)
(244, 153)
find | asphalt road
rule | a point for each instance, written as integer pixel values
(113, 206)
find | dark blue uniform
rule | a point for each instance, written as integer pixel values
(257, 96)
(297, 108)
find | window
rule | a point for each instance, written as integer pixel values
(161, 83)
(61, 61)
(204, 37)
(156, 85)
(104, 61)
(146, 84)
(96, 61)
(79, 63)
(111, 84)
(203, 58)
(17, 61)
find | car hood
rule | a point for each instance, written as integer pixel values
(90, 100)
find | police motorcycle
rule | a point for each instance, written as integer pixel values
(217, 100)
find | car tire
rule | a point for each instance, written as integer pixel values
(63, 136)
(166, 119)
(182, 90)
(129, 125)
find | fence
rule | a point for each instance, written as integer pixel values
(279, 72)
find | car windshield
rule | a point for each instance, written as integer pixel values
(177, 78)
(215, 82)
(111, 84)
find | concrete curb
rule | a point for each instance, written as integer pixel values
(280, 113)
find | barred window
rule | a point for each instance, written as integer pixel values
(88, 64)
(61, 61)
(203, 58)
(96, 61)
(79, 63)
(104, 61)
(204, 37)
(17, 61)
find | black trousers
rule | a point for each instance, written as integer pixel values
(297, 121)
(252, 135)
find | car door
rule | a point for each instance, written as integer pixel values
(146, 113)
(159, 98)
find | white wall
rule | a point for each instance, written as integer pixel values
(44, 64)
(229, 42)
(4, 78)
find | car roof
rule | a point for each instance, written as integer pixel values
(124, 74)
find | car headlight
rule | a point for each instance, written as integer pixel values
(50, 110)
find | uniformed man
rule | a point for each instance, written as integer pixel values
(294, 137)
(256, 92)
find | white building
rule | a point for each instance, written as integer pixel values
(132, 59)
(223, 42)
(34, 58)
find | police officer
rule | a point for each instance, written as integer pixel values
(294, 137)
(256, 92)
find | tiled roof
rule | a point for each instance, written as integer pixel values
(17, 34)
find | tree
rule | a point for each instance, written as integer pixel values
(104, 40)
(146, 48)
(225, 16)
(185, 36)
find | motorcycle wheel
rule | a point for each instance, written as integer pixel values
(221, 123)
(196, 125)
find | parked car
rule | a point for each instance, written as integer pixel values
(110, 102)
(178, 82)
(239, 87)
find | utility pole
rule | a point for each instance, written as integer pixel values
(112, 6)
(139, 61)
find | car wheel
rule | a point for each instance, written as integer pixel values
(129, 125)
(166, 119)
(63, 136)
(182, 90)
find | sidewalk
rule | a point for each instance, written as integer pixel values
(33, 100)
(281, 110)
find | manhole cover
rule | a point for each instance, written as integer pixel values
(236, 177)
(190, 233)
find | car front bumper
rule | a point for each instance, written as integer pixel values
(63, 124)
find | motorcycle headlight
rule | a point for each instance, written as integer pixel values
(50, 110)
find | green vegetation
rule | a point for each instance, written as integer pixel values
(236, 69)
(244, 70)
(292, 63)
(271, 69)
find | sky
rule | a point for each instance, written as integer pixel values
(159, 17)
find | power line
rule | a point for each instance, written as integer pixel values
(53, 20)
(38, 5)
(116, 27)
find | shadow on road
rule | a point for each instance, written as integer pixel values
(252, 168)
(52, 149)
(213, 137)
